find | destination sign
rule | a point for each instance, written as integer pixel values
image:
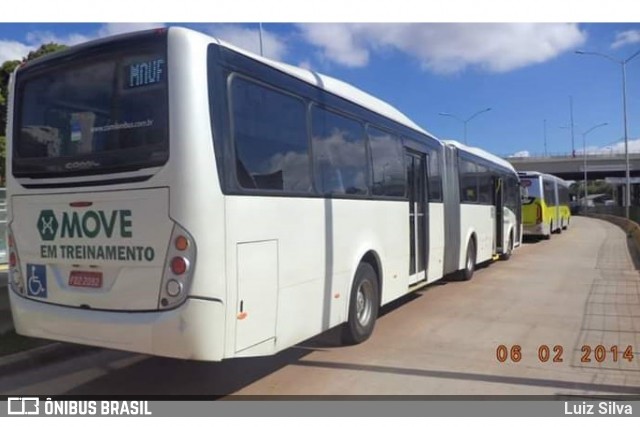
(145, 73)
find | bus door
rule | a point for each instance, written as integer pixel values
(556, 194)
(498, 199)
(418, 211)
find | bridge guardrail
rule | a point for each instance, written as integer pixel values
(565, 155)
(619, 211)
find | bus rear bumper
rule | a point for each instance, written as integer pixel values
(195, 330)
(533, 230)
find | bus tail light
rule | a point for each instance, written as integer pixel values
(178, 270)
(538, 214)
(15, 273)
(181, 243)
(179, 265)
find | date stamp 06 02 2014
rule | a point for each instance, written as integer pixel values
(598, 354)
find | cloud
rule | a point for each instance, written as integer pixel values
(626, 37)
(446, 48)
(306, 64)
(616, 148)
(274, 46)
(11, 49)
(523, 153)
(344, 44)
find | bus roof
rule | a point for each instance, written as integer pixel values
(524, 174)
(330, 84)
(480, 153)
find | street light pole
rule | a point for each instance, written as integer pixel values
(544, 124)
(573, 146)
(627, 173)
(465, 131)
(584, 152)
(623, 64)
(464, 122)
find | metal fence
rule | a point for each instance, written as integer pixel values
(534, 157)
(3, 225)
(634, 211)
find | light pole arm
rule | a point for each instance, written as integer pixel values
(604, 55)
(477, 114)
(452, 116)
(464, 122)
(594, 128)
(629, 59)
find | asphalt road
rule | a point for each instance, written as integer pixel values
(578, 289)
(5, 313)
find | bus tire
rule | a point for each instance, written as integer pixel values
(469, 263)
(548, 236)
(505, 256)
(559, 230)
(363, 305)
(565, 226)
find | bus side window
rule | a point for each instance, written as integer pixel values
(339, 153)
(270, 138)
(468, 181)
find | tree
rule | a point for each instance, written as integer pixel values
(43, 50)
(5, 72)
(600, 187)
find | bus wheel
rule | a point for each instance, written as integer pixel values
(548, 236)
(505, 256)
(565, 226)
(469, 264)
(363, 306)
(559, 230)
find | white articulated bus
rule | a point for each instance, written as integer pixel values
(174, 195)
(482, 205)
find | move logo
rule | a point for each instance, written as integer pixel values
(47, 225)
(88, 224)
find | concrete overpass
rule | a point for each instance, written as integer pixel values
(599, 166)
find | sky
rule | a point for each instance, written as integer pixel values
(526, 73)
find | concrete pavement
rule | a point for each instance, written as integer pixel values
(578, 289)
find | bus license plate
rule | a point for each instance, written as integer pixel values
(85, 279)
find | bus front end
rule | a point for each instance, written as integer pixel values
(101, 245)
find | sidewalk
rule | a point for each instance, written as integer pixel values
(26, 352)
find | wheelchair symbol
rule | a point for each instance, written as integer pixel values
(37, 280)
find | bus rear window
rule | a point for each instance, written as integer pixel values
(100, 112)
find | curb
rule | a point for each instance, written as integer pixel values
(631, 229)
(40, 356)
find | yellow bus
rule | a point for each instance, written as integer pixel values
(545, 204)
